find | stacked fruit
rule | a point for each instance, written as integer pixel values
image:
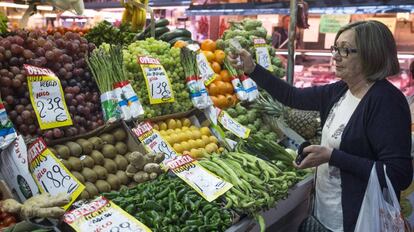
(99, 162)
(187, 138)
(135, 13)
(221, 90)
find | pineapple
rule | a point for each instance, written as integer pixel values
(305, 123)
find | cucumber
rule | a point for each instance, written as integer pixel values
(174, 40)
(176, 33)
(159, 31)
(162, 23)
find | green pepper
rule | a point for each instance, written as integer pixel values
(162, 194)
(152, 205)
(181, 193)
(197, 222)
(166, 221)
(189, 228)
(178, 207)
(170, 201)
(111, 195)
(184, 216)
(210, 227)
(207, 216)
(207, 208)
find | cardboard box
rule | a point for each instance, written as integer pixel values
(14, 168)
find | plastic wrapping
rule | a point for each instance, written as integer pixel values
(250, 87)
(239, 89)
(134, 105)
(122, 103)
(198, 92)
(7, 131)
(110, 107)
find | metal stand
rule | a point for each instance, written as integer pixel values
(291, 43)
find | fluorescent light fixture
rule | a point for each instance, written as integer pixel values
(317, 53)
(21, 6)
(48, 8)
(405, 56)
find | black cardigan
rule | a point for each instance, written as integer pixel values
(378, 131)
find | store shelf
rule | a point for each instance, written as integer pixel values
(298, 195)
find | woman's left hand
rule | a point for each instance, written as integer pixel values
(317, 156)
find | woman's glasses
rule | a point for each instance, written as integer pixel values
(344, 52)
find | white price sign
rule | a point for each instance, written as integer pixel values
(157, 81)
(50, 174)
(102, 215)
(47, 98)
(208, 185)
(206, 72)
(153, 141)
(232, 125)
(262, 54)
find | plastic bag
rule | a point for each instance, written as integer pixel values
(198, 92)
(7, 132)
(250, 87)
(380, 210)
(110, 107)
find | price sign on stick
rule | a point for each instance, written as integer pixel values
(262, 54)
(47, 98)
(232, 125)
(102, 215)
(206, 72)
(50, 174)
(156, 79)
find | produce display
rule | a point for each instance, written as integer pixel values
(186, 138)
(245, 32)
(64, 55)
(170, 59)
(144, 167)
(168, 204)
(105, 32)
(3, 23)
(99, 162)
(161, 27)
(179, 34)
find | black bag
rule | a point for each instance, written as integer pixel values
(311, 223)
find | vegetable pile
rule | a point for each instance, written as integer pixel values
(3, 23)
(170, 59)
(144, 167)
(64, 55)
(169, 204)
(186, 138)
(105, 32)
(245, 32)
(99, 162)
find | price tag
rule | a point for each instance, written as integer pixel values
(154, 141)
(232, 125)
(47, 98)
(157, 81)
(262, 53)
(206, 72)
(208, 185)
(194, 47)
(102, 215)
(50, 174)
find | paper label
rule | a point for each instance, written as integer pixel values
(262, 54)
(102, 215)
(232, 125)
(207, 74)
(157, 81)
(194, 47)
(46, 95)
(208, 185)
(50, 174)
(7, 132)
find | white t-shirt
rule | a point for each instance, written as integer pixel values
(328, 203)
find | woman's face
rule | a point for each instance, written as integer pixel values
(347, 63)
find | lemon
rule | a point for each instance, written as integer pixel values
(162, 126)
(167, 138)
(162, 133)
(206, 139)
(171, 124)
(174, 138)
(193, 128)
(179, 123)
(178, 148)
(170, 131)
(213, 139)
(195, 153)
(186, 122)
(193, 143)
(155, 127)
(196, 134)
(185, 128)
(221, 149)
(181, 137)
(200, 143)
(205, 131)
(185, 145)
(211, 148)
(178, 130)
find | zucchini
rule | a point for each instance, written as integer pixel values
(159, 31)
(174, 40)
(176, 33)
(162, 23)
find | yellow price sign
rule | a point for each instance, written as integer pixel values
(47, 98)
(156, 79)
(50, 174)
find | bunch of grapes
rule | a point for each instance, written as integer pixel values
(65, 56)
(170, 59)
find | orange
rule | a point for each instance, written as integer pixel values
(235, 99)
(225, 75)
(216, 67)
(218, 78)
(180, 44)
(220, 56)
(228, 88)
(220, 86)
(209, 55)
(208, 45)
(215, 100)
(213, 89)
(230, 100)
(221, 101)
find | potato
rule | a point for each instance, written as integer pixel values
(159, 157)
(110, 166)
(109, 151)
(153, 175)
(101, 172)
(113, 181)
(87, 161)
(141, 177)
(91, 188)
(121, 162)
(97, 157)
(103, 186)
(89, 175)
(123, 178)
(75, 163)
(137, 159)
(78, 176)
(121, 148)
(152, 167)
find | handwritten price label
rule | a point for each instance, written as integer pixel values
(50, 174)
(206, 72)
(208, 185)
(154, 141)
(47, 98)
(232, 125)
(102, 215)
(262, 54)
(157, 81)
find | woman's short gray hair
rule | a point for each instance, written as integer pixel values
(376, 47)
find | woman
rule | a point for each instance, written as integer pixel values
(365, 120)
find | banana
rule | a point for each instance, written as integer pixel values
(134, 20)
